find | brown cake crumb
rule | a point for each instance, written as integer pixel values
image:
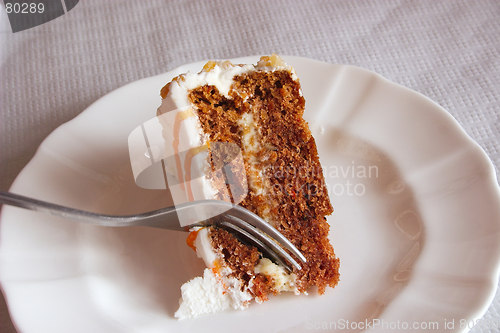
(296, 202)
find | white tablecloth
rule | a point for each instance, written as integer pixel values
(447, 50)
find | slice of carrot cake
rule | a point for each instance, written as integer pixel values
(257, 108)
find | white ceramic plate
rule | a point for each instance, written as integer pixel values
(416, 222)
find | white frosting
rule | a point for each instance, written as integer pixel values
(239, 298)
(249, 138)
(283, 281)
(251, 145)
(204, 249)
(220, 77)
(207, 294)
(214, 292)
(202, 295)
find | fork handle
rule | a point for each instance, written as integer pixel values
(167, 214)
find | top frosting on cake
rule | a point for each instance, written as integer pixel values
(215, 73)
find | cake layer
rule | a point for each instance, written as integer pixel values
(257, 109)
(284, 174)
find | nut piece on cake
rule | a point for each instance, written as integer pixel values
(258, 109)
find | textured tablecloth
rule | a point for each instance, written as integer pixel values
(447, 50)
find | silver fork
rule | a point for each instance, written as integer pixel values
(220, 213)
